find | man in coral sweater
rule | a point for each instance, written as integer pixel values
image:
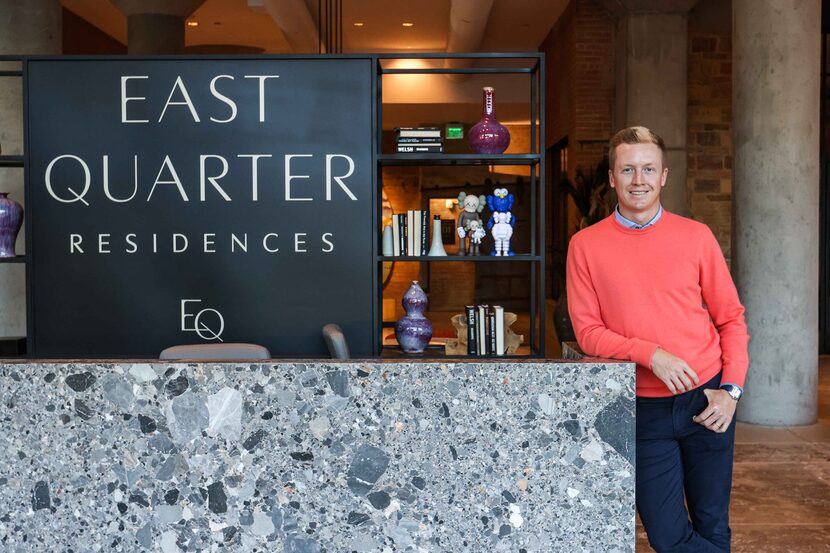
(653, 287)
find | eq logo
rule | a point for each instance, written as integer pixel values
(208, 323)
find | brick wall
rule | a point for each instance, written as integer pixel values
(579, 83)
(709, 176)
(592, 85)
(580, 88)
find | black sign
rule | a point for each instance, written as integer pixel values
(194, 200)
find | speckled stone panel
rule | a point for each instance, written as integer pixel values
(317, 457)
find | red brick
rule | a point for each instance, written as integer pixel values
(707, 186)
(704, 44)
(708, 138)
(709, 162)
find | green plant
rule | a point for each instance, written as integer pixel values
(590, 193)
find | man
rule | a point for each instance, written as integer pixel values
(653, 287)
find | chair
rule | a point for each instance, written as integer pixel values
(230, 351)
(336, 341)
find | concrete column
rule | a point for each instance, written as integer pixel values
(775, 103)
(651, 80)
(156, 26)
(32, 27)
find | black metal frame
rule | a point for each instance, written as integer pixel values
(535, 159)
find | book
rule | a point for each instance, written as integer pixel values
(402, 223)
(410, 234)
(424, 231)
(499, 312)
(396, 235)
(481, 321)
(412, 132)
(491, 331)
(420, 148)
(418, 140)
(472, 331)
(416, 236)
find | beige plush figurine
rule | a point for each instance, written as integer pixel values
(469, 223)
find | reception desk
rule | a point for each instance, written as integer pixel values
(306, 457)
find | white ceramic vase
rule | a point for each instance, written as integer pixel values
(437, 247)
(387, 248)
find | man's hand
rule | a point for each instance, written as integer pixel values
(675, 373)
(718, 414)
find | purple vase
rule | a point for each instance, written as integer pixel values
(488, 136)
(414, 330)
(11, 217)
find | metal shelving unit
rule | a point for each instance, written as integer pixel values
(487, 64)
(14, 346)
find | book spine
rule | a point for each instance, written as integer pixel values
(409, 149)
(491, 330)
(424, 231)
(499, 329)
(419, 140)
(416, 237)
(432, 136)
(396, 234)
(482, 331)
(410, 233)
(472, 330)
(433, 129)
(402, 224)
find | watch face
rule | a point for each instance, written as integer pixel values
(733, 391)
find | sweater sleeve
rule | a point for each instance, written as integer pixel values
(725, 308)
(586, 316)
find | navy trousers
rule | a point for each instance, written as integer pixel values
(678, 458)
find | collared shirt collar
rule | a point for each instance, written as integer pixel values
(628, 223)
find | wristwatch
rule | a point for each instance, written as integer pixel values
(734, 391)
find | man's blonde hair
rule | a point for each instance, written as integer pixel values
(635, 135)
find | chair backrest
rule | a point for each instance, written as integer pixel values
(336, 341)
(234, 351)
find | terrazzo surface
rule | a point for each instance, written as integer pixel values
(316, 457)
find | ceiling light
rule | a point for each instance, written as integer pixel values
(192, 23)
(407, 24)
(358, 24)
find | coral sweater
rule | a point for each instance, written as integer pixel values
(667, 285)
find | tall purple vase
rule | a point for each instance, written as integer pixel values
(414, 330)
(488, 136)
(11, 217)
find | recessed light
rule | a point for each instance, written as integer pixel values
(407, 24)
(192, 23)
(358, 24)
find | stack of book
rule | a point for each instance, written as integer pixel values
(485, 329)
(410, 232)
(419, 140)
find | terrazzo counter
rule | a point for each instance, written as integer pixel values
(312, 457)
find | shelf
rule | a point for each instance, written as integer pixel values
(15, 259)
(458, 159)
(465, 70)
(473, 258)
(516, 68)
(437, 352)
(11, 161)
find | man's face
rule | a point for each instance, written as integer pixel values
(638, 176)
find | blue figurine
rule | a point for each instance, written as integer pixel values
(500, 204)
